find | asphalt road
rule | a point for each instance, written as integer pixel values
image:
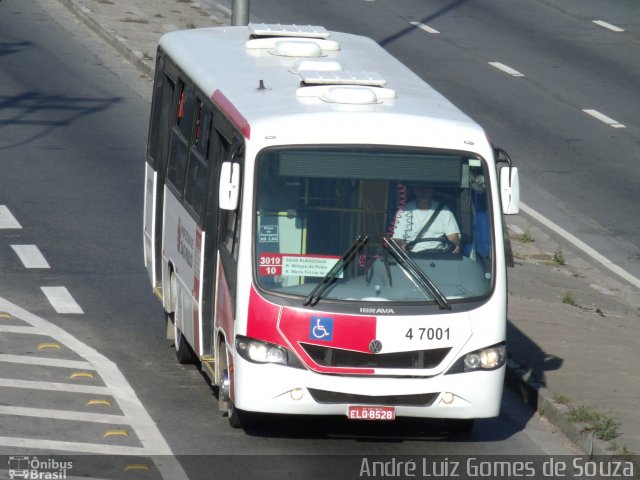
(73, 126)
(579, 170)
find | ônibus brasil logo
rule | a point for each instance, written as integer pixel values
(33, 468)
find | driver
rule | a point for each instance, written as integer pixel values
(413, 218)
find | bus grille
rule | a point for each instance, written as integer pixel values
(336, 357)
(420, 400)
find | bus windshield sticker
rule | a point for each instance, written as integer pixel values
(268, 234)
(296, 265)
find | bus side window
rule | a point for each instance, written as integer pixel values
(180, 137)
(197, 170)
(159, 125)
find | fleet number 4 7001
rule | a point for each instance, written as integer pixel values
(424, 333)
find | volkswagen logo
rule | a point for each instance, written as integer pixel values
(375, 346)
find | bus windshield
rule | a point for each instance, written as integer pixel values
(373, 225)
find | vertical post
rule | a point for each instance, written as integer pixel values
(240, 12)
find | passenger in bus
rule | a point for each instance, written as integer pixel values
(425, 218)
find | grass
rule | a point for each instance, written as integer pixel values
(603, 427)
(558, 257)
(568, 299)
(526, 237)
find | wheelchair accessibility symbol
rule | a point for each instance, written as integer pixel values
(321, 328)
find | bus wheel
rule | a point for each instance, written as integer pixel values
(184, 354)
(459, 425)
(237, 418)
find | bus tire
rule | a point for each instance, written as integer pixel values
(459, 425)
(237, 418)
(184, 354)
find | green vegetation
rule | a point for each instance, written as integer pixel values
(558, 257)
(568, 299)
(526, 237)
(603, 426)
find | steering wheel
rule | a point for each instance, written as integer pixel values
(449, 246)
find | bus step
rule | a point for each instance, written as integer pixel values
(208, 367)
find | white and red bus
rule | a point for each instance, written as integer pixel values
(283, 228)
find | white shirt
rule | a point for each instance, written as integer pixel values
(412, 219)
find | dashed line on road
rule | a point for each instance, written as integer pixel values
(609, 26)
(30, 256)
(7, 220)
(506, 69)
(603, 118)
(424, 27)
(61, 300)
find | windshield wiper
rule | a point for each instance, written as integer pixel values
(330, 277)
(417, 275)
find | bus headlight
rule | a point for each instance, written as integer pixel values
(257, 351)
(490, 358)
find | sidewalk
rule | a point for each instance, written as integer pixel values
(574, 329)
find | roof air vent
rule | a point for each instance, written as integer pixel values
(317, 65)
(343, 77)
(350, 95)
(276, 30)
(288, 48)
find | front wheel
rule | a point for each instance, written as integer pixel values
(237, 418)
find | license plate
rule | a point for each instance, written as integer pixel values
(365, 412)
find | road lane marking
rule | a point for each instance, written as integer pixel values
(48, 362)
(116, 386)
(7, 220)
(604, 24)
(581, 246)
(79, 447)
(61, 300)
(30, 256)
(424, 27)
(603, 118)
(18, 329)
(54, 386)
(64, 415)
(506, 69)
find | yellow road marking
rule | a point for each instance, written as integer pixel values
(45, 346)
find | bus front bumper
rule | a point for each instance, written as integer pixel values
(271, 388)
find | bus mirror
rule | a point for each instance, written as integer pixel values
(229, 186)
(509, 190)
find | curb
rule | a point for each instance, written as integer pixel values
(536, 395)
(120, 44)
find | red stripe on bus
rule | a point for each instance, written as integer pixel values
(232, 112)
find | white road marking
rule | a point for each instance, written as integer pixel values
(48, 362)
(30, 256)
(604, 24)
(18, 329)
(116, 386)
(61, 300)
(506, 69)
(53, 386)
(40, 443)
(424, 27)
(64, 415)
(603, 118)
(582, 246)
(7, 220)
